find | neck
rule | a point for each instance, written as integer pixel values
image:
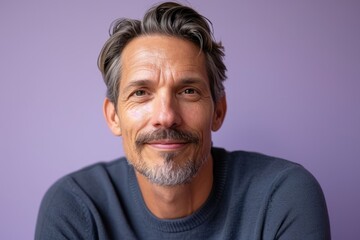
(177, 201)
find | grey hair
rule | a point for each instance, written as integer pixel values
(170, 19)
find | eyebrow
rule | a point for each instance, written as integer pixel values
(147, 82)
(136, 84)
(190, 81)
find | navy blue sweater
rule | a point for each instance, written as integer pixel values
(253, 197)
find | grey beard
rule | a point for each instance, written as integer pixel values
(170, 173)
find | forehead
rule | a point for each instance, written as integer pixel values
(159, 52)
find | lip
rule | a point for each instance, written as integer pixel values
(167, 144)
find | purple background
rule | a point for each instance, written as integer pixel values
(293, 92)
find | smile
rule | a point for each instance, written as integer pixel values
(167, 144)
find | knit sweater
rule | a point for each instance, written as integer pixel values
(253, 197)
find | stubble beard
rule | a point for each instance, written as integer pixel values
(172, 171)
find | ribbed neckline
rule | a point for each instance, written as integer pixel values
(209, 208)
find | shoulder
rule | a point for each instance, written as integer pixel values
(70, 203)
(89, 180)
(247, 164)
(269, 176)
(99, 174)
(287, 196)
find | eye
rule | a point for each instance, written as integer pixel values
(190, 94)
(190, 91)
(139, 93)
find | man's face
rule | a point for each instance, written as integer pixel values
(165, 111)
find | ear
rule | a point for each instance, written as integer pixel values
(219, 113)
(111, 117)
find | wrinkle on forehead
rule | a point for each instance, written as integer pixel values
(162, 54)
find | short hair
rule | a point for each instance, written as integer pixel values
(170, 19)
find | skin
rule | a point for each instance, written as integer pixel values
(164, 85)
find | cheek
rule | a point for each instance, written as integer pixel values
(138, 113)
(133, 119)
(199, 118)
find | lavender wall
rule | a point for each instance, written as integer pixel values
(293, 92)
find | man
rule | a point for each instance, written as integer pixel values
(165, 95)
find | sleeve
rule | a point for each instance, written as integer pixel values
(63, 215)
(297, 208)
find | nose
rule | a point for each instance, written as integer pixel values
(166, 111)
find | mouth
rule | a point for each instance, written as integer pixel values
(167, 144)
(166, 140)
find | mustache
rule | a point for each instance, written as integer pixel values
(161, 134)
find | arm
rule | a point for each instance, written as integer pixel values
(297, 208)
(63, 215)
